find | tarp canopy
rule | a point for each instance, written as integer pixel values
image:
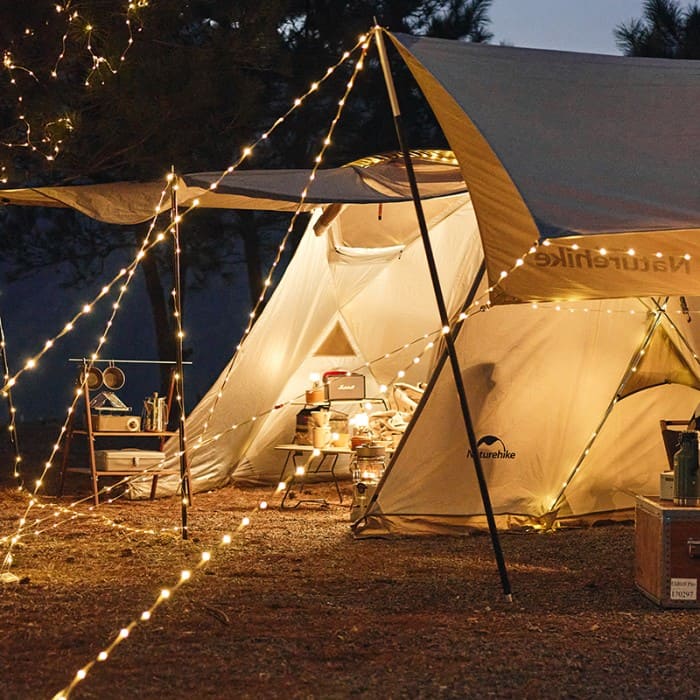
(133, 202)
(578, 150)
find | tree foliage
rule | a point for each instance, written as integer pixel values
(666, 30)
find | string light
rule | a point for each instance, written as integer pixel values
(104, 654)
(55, 131)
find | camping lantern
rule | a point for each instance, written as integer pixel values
(361, 495)
(367, 469)
(368, 465)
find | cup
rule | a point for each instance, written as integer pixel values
(322, 436)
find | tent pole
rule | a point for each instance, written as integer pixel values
(179, 364)
(444, 318)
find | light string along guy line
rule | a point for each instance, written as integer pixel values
(245, 154)
(50, 142)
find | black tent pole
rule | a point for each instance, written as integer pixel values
(444, 319)
(179, 364)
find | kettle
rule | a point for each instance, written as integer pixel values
(155, 414)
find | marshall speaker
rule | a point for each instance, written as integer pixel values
(344, 386)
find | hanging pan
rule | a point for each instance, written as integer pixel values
(93, 379)
(113, 377)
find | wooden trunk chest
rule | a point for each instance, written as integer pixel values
(667, 552)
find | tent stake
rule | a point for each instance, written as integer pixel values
(444, 318)
(179, 364)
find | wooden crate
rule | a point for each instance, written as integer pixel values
(667, 552)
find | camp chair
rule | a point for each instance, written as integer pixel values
(671, 437)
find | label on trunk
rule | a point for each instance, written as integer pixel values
(684, 589)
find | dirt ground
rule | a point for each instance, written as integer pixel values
(294, 607)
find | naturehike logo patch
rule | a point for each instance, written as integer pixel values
(591, 260)
(492, 447)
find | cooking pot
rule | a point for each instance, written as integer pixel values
(370, 450)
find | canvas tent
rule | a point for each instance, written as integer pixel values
(559, 165)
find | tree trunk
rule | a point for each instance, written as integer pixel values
(165, 339)
(251, 246)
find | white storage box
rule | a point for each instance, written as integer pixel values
(127, 460)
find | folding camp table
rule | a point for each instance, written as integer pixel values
(304, 460)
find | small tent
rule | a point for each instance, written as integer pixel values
(356, 296)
